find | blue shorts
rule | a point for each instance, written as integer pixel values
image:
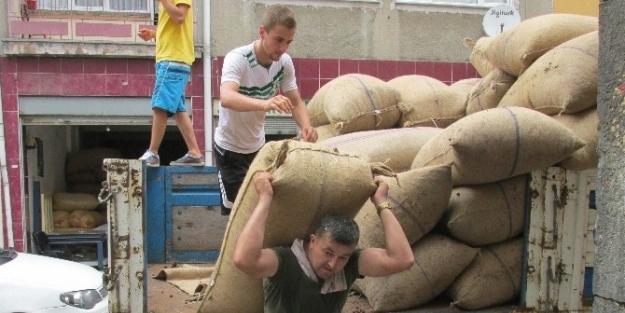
(169, 86)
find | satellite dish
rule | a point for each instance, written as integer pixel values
(499, 18)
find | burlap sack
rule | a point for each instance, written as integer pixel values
(325, 132)
(463, 88)
(74, 201)
(492, 145)
(396, 147)
(478, 55)
(564, 80)
(418, 198)
(316, 112)
(438, 261)
(89, 160)
(586, 126)
(85, 219)
(481, 215)
(432, 103)
(494, 277)
(60, 219)
(515, 49)
(358, 102)
(310, 181)
(488, 92)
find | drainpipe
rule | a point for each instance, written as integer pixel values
(208, 91)
(5, 193)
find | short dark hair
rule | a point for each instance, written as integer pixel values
(279, 14)
(340, 227)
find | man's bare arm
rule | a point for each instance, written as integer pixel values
(249, 255)
(301, 117)
(178, 13)
(397, 256)
(231, 99)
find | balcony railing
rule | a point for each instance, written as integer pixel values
(80, 20)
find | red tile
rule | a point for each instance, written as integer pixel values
(95, 84)
(73, 84)
(198, 119)
(188, 90)
(49, 84)
(368, 67)
(72, 65)
(197, 103)
(95, 66)
(200, 136)
(458, 71)
(140, 66)
(328, 68)
(9, 103)
(116, 84)
(215, 91)
(348, 66)
(138, 85)
(50, 65)
(442, 71)
(8, 83)
(387, 70)
(197, 70)
(28, 83)
(308, 87)
(308, 68)
(116, 66)
(215, 68)
(8, 65)
(28, 65)
(406, 68)
(324, 81)
(198, 87)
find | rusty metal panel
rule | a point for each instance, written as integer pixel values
(198, 228)
(127, 269)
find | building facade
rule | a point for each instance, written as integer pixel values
(74, 75)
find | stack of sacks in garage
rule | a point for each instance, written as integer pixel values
(83, 169)
(355, 102)
(76, 210)
(310, 181)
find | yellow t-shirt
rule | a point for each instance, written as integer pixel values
(174, 42)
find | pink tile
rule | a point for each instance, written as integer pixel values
(116, 66)
(95, 85)
(73, 84)
(49, 84)
(328, 68)
(348, 66)
(188, 90)
(103, 30)
(11, 129)
(200, 137)
(197, 103)
(116, 84)
(215, 68)
(471, 71)
(197, 69)
(308, 68)
(424, 68)
(308, 87)
(9, 102)
(50, 65)
(8, 83)
(28, 65)
(198, 119)
(39, 28)
(387, 70)
(8, 64)
(198, 87)
(140, 66)
(458, 71)
(28, 83)
(138, 85)
(406, 68)
(94, 66)
(324, 81)
(72, 65)
(368, 67)
(442, 71)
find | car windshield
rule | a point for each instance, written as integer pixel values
(7, 255)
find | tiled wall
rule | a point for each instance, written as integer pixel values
(41, 76)
(311, 74)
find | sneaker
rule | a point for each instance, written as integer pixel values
(150, 159)
(188, 160)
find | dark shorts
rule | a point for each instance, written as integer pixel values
(232, 168)
(169, 86)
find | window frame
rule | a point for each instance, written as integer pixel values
(105, 8)
(451, 3)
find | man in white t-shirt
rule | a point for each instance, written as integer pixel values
(251, 80)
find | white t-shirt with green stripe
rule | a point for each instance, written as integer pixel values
(244, 132)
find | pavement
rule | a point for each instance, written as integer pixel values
(164, 297)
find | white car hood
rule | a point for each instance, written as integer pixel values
(59, 274)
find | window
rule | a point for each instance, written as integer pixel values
(482, 3)
(133, 6)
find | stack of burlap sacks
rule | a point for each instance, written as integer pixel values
(461, 154)
(72, 211)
